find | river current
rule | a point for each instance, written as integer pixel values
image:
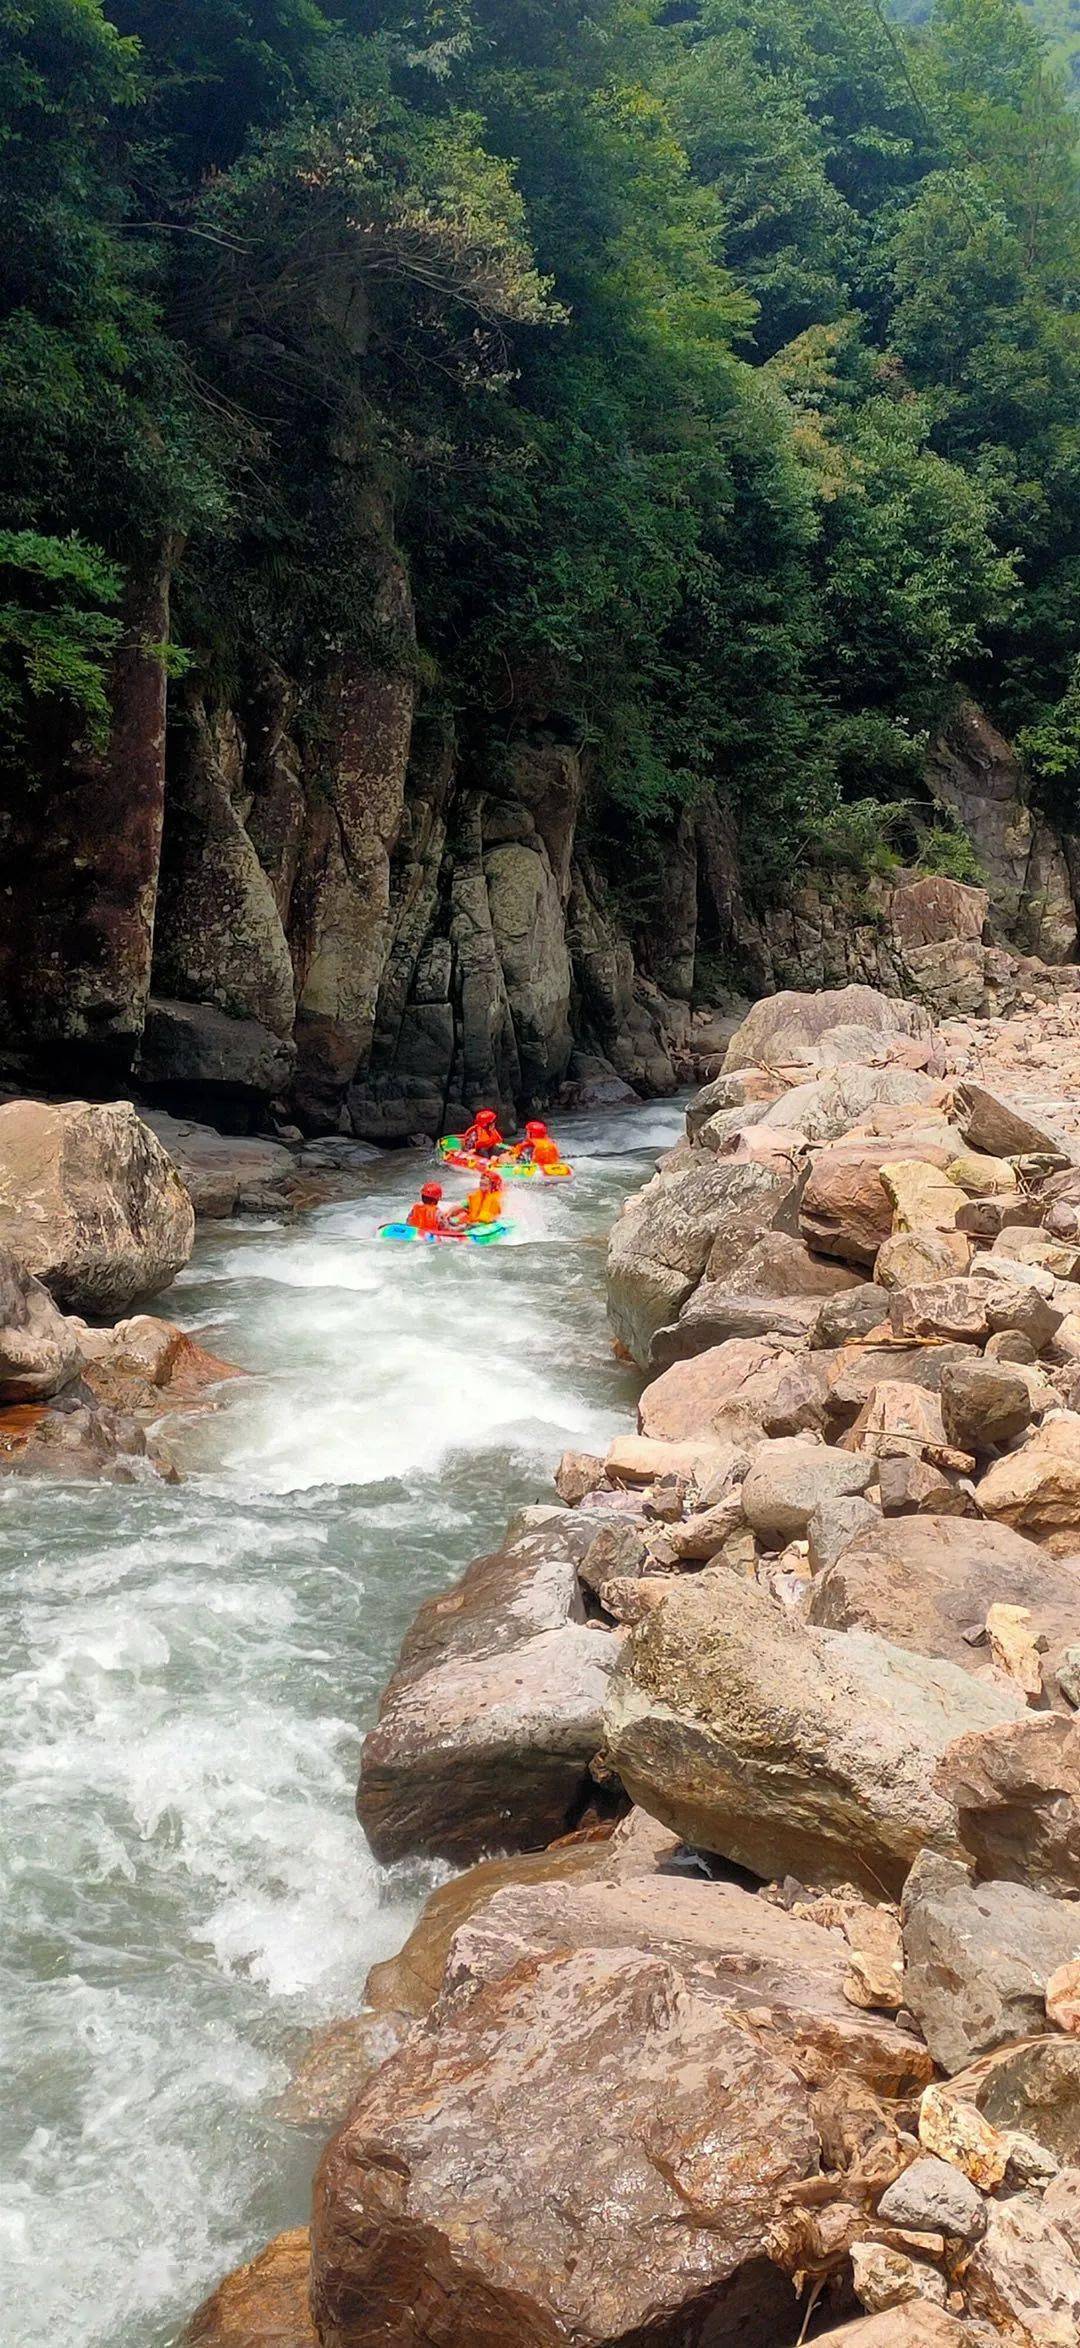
(187, 1672)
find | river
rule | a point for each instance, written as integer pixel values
(186, 1675)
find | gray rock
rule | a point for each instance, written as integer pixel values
(977, 1958)
(791, 1025)
(851, 1315)
(787, 1481)
(932, 2197)
(195, 1048)
(834, 1524)
(39, 1350)
(660, 1244)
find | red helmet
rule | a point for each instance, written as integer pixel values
(536, 1130)
(485, 1117)
(489, 1180)
(431, 1193)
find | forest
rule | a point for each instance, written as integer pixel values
(719, 364)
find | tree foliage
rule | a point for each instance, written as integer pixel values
(718, 362)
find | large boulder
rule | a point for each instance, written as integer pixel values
(195, 1051)
(1023, 2278)
(587, 2035)
(927, 1582)
(788, 1750)
(660, 1244)
(90, 1203)
(263, 2304)
(826, 1108)
(225, 1173)
(1016, 1793)
(1037, 1489)
(791, 1026)
(846, 1209)
(789, 1479)
(1000, 1127)
(490, 1721)
(977, 1957)
(933, 909)
(39, 1349)
(734, 1393)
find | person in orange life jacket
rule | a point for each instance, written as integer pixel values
(484, 1204)
(538, 1148)
(427, 1214)
(482, 1138)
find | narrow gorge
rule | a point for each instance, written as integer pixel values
(539, 564)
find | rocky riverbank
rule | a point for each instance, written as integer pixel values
(765, 2024)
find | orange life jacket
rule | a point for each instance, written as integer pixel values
(483, 1206)
(546, 1152)
(424, 1217)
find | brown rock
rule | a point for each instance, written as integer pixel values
(983, 1406)
(858, 1370)
(707, 1396)
(263, 2304)
(846, 1210)
(1036, 1490)
(899, 1419)
(911, 1259)
(788, 1750)
(1063, 1995)
(923, 1581)
(910, 1487)
(90, 1203)
(996, 1125)
(578, 1472)
(1033, 2088)
(586, 2034)
(927, 911)
(917, 2324)
(1023, 2278)
(949, 1309)
(833, 1525)
(889, 2278)
(1016, 1791)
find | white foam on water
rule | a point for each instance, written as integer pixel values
(186, 1675)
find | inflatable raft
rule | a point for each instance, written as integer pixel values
(480, 1234)
(511, 1169)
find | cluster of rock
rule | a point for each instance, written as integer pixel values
(789, 2047)
(94, 1217)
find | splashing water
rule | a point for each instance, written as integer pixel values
(187, 1673)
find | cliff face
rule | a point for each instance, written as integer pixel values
(346, 900)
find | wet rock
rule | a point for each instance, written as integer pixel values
(978, 1957)
(788, 1750)
(787, 1026)
(39, 1350)
(90, 1203)
(1036, 1489)
(983, 1405)
(924, 1581)
(225, 1173)
(492, 1716)
(1016, 1792)
(263, 2304)
(934, 2197)
(661, 1241)
(78, 1440)
(788, 1479)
